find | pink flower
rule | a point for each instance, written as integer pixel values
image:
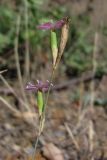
(51, 26)
(59, 24)
(40, 86)
(46, 26)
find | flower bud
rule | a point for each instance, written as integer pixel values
(40, 102)
(54, 46)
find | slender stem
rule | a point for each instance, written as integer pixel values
(51, 80)
(92, 87)
(42, 118)
(36, 144)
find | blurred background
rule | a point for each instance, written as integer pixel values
(80, 81)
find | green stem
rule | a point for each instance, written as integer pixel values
(42, 118)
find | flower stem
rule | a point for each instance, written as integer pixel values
(42, 118)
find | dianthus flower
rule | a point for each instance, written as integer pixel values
(40, 86)
(52, 26)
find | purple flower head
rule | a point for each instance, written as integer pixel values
(40, 86)
(59, 24)
(51, 26)
(46, 26)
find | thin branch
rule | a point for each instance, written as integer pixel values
(12, 90)
(27, 55)
(9, 106)
(72, 137)
(17, 61)
(94, 64)
(3, 71)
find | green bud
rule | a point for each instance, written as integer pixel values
(40, 102)
(54, 46)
